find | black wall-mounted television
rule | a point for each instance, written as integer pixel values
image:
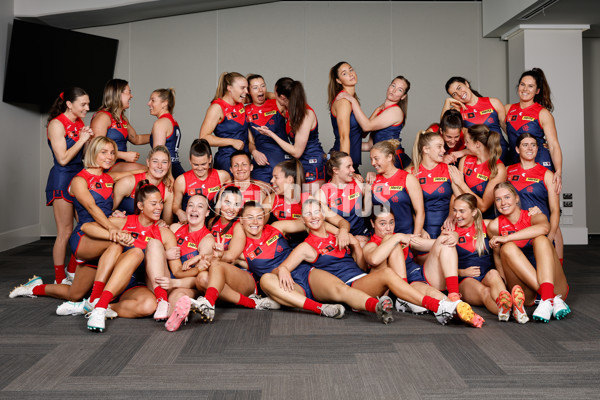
(43, 61)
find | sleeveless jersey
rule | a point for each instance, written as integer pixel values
(141, 234)
(347, 203)
(101, 189)
(313, 158)
(466, 249)
(188, 241)
(173, 140)
(128, 203)
(333, 260)
(520, 120)
(61, 175)
(483, 112)
(267, 115)
(505, 227)
(283, 210)
(392, 193)
(117, 131)
(414, 272)
(477, 177)
(460, 144)
(531, 186)
(233, 126)
(437, 191)
(208, 187)
(219, 228)
(393, 132)
(355, 136)
(267, 252)
(253, 192)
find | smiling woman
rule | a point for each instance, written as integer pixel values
(165, 130)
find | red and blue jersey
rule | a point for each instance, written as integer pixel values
(101, 189)
(347, 202)
(284, 210)
(437, 192)
(208, 187)
(267, 115)
(355, 136)
(141, 234)
(477, 177)
(128, 203)
(252, 193)
(313, 158)
(61, 175)
(505, 227)
(188, 242)
(484, 113)
(173, 140)
(466, 248)
(392, 193)
(117, 130)
(233, 126)
(266, 253)
(225, 233)
(531, 186)
(392, 132)
(333, 260)
(520, 120)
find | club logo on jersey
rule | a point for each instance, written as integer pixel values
(462, 240)
(488, 111)
(515, 178)
(181, 240)
(379, 189)
(513, 118)
(442, 190)
(470, 115)
(254, 117)
(529, 189)
(482, 177)
(525, 128)
(440, 179)
(506, 233)
(327, 249)
(272, 240)
(422, 181)
(469, 172)
(231, 115)
(257, 252)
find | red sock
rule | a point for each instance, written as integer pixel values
(452, 284)
(430, 303)
(59, 273)
(211, 295)
(105, 298)
(312, 305)
(561, 261)
(72, 266)
(546, 290)
(161, 294)
(371, 304)
(39, 290)
(97, 290)
(246, 302)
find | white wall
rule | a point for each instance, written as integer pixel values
(20, 159)
(591, 90)
(303, 40)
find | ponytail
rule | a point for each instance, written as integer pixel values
(167, 95)
(543, 97)
(294, 169)
(226, 79)
(423, 138)
(297, 106)
(471, 201)
(143, 189)
(403, 103)
(491, 140)
(60, 104)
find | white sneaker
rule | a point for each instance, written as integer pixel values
(560, 309)
(26, 289)
(87, 306)
(543, 311)
(96, 320)
(71, 308)
(162, 310)
(446, 311)
(203, 306)
(264, 303)
(406, 306)
(111, 314)
(332, 310)
(384, 309)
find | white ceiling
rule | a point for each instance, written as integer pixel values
(121, 11)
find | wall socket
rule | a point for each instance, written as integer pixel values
(566, 220)
(567, 196)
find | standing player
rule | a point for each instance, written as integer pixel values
(165, 130)
(225, 125)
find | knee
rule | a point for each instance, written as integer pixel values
(146, 306)
(154, 246)
(508, 249)
(202, 280)
(486, 292)
(269, 282)
(493, 275)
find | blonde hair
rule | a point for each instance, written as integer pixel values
(94, 147)
(423, 139)
(491, 140)
(111, 98)
(508, 186)
(226, 79)
(162, 149)
(471, 201)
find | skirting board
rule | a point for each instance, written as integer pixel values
(19, 237)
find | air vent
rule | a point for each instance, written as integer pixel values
(540, 8)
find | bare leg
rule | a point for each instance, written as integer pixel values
(328, 288)
(63, 216)
(135, 303)
(397, 262)
(84, 277)
(428, 290)
(441, 263)
(156, 263)
(476, 293)
(269, 283)
(519, 271)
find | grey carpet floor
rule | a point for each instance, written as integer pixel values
(247, 354)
